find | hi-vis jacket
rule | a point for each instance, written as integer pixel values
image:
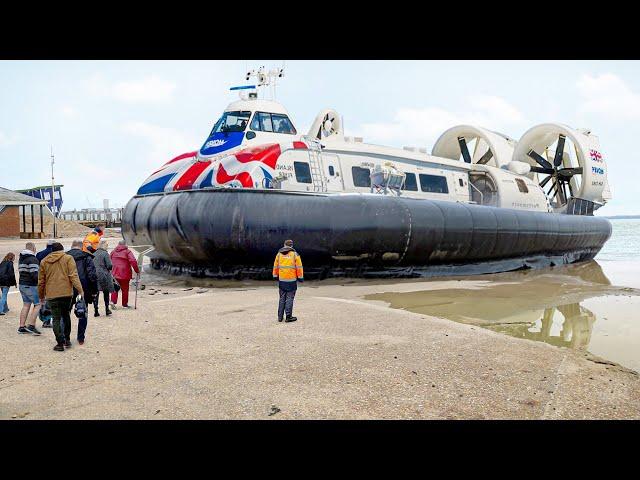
(287, 266)
(92, 239)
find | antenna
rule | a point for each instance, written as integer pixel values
(266, 78)
(53, 195)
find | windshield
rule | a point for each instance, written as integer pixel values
(232, 122)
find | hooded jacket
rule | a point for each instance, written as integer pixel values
(7, 274)
(287, 268)
(28, 267)
(123, 261)
(86, 270)
(58, 276)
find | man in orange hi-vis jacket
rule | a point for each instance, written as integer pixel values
(287, 268)
(91, 241)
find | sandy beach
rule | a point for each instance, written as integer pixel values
(410, 349)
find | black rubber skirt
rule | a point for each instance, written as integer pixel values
(232, 233)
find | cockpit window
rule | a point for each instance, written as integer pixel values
(282, 124)
(232, 122)
(272, 122)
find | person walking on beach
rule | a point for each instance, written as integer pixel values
(88, 279)
(57, 279)
(123, 261)
(28, 267)
(91, 241)
(103, 265)
(46, 251)
(7, 280)
(287, 268)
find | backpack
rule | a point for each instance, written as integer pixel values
(45, 312)
(80, 309)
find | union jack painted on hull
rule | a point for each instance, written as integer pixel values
(252, 167)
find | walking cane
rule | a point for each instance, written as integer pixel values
(135, 302)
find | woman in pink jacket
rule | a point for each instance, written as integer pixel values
(123, 261)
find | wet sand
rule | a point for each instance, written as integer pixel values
(214, 350)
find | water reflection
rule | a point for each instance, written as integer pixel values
(574, 322)
(543, 305)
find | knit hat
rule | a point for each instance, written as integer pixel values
(57, 247)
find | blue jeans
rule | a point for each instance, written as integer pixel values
(4, 308)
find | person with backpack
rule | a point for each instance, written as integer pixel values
(287, 268)
(57, 279)
(7, 280)
(88, 279)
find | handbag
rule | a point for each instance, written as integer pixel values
(116, 285)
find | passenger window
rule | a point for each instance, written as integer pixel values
(331, 170)
(522, 186)
(361, 176)
(410, 182)
(303, 172)
(282, 124)
(433, 183)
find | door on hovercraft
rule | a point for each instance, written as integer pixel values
(333, 172)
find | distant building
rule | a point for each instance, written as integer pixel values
(13, 215)
(44, 193)
(109, 217)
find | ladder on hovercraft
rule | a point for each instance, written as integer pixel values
(318, 179)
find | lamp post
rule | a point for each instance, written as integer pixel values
(53, 195)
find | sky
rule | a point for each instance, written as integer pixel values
(111, 123)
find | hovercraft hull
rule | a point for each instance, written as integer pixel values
(236, 233)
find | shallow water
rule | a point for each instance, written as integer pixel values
(592, 307)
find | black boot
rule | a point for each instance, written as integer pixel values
(108, 312)
(96, 313)
(290, 319)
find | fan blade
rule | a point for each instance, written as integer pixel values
(562, 192)
(464, 150)
(539, 159)
(557, 159)
(485, 158)
(554, 186)
(546, 171)
(545, 181)
(570, 172)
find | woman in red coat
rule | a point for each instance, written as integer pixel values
(123, 261)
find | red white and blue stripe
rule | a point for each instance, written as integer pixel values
(252, 167)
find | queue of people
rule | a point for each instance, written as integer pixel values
(56, 282)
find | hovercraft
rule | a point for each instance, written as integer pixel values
(481, 202)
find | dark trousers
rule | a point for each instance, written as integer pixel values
(82, 321)
(286, 303)
(96, 300)
(60, 309)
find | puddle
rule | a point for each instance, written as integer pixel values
(575, 307)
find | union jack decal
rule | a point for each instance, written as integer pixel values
(252, 167)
